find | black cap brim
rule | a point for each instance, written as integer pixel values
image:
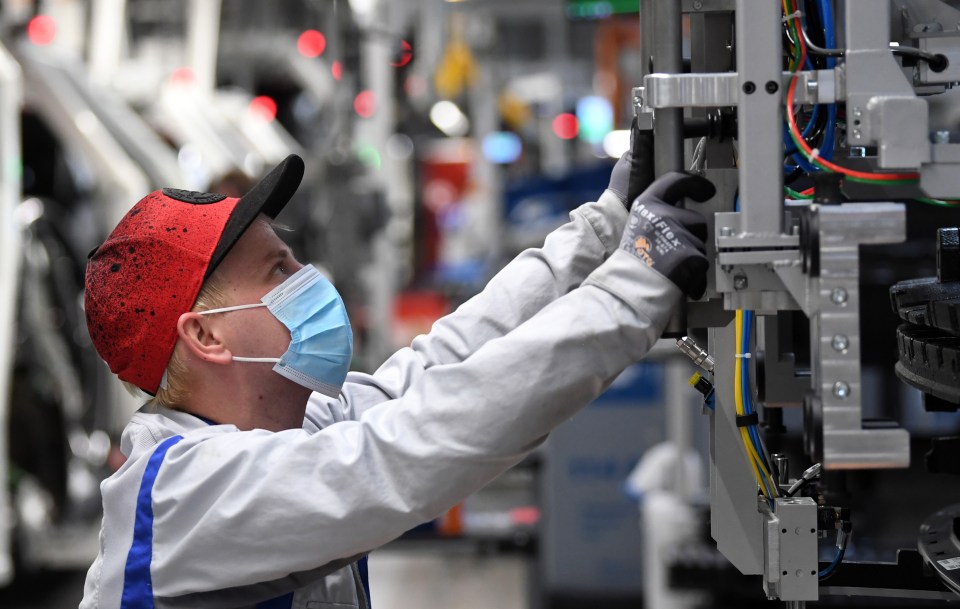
(269, 196)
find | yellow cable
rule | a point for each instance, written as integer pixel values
(760, 469)
(753, 458)
(737, 395)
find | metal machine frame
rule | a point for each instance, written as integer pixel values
(773, 255)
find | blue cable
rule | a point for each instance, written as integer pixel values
(747, 323)
(798, 158)
(825, 12)
(833, 565)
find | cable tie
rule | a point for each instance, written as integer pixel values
(746, 420)
(743, 355)
(794, 15)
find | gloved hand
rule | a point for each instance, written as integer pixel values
(668, 238)
(633, 173)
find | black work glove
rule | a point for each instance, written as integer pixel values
(671, 239)
(633, 173)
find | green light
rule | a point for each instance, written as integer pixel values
(599, 9)
(596, 118)
(369, 155)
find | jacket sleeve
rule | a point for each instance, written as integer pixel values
(245, 507)
(535, 278)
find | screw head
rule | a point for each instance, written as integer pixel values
(841, 389)
(772, 86)
(698, 5)
(838, 296)
(740, 282)
(857, 112)
(840, 342)
(941, 137)
(855, 133)
(726, 231)
(749, 87)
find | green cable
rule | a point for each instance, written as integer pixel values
(879, 182)
(938, 202)
(796, 195)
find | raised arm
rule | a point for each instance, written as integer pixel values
(307, 501)
(535, 278)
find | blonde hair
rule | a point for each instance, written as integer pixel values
(211, 296)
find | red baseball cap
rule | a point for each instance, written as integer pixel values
(150, 269)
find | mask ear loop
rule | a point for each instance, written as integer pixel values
(233, 308)
(236, 358)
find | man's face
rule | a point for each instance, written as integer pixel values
(259, 262)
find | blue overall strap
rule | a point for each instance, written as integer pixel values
(137, 583)
(364, 577)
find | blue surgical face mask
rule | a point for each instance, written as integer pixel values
(321, 341)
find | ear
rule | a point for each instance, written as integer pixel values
(201, 338)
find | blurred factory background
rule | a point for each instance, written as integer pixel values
(441, 138)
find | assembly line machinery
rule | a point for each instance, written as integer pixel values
(845, 118)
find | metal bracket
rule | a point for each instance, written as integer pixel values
(834, 297)
(715, 90)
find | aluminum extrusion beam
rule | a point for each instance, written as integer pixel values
(646, 37)
(760, 116)
(668, 58)
(11, 98)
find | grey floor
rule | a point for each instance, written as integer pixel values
(399, 579)
(406, 579)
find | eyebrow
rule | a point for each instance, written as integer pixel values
(275, 255)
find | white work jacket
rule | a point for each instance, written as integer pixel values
(207, 516)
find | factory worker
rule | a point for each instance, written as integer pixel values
(263, 472)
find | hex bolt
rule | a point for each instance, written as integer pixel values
(740, 282)
(841, 389)
(838, 296)
(840, 342)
